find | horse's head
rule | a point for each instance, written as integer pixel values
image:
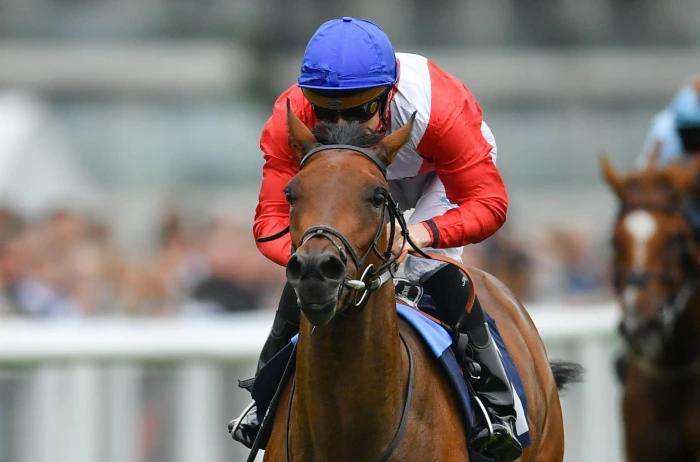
(654, 261)
(339, 204)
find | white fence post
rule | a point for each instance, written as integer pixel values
(82, 432)
(41, 418)
(198, 426)
(124, 401)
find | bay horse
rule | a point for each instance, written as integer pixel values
(655, 275)
(365, 387)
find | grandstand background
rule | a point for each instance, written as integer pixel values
(129, 171)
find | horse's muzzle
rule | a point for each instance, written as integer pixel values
(317, 279)
(643, 336)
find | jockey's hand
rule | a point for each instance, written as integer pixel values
(418, 233)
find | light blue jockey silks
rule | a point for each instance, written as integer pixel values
(348, 54)
(682, 112)
(686, 108)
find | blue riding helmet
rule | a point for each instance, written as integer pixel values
(686, 108)
(348, 54)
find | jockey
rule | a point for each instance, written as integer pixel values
(446, 172)
(675, 131)
(675, 136)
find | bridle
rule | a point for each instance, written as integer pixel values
(370, 278)
(673, 307)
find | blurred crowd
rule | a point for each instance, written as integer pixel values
(67, 264)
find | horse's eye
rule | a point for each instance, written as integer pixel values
(379, 197)
(289, 196)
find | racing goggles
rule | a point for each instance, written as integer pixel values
(331, 109)
(690, 137)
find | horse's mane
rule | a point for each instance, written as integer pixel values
(351, 133)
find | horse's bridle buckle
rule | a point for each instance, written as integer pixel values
(360, 285)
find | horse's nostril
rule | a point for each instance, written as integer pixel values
(294, 268)
(332, 267)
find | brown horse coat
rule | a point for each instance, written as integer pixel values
(435, 431)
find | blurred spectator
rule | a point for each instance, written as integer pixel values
(67, 264)
(504, 257)
(578, 267)
(239, 278)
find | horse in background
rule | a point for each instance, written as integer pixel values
(365, 387)
(656, 274)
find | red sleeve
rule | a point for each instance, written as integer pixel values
(453, 142)
(281, 164)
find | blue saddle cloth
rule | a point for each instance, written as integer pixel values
(438, 341)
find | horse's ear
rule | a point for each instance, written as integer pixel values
(392, 143)
(653, 159)
(301, 139)
(610, 175)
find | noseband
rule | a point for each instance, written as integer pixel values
(371, 278)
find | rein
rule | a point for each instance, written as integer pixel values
(405, 410)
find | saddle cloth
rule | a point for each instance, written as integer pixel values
(438, 341)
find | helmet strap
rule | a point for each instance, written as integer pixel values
(384, 111)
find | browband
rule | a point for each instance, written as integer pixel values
(365, 152)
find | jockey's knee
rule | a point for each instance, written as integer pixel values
(450, 291)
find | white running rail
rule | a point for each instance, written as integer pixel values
(157, 390)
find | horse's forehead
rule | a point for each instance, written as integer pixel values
(339, 167)
(640, 225)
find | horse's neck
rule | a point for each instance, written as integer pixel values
(350, 376)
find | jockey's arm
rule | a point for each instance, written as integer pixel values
(456, 142)
(281, 164)
(662, 137)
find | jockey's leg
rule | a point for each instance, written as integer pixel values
(482, 362)
(284, 326)
(286, 323)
